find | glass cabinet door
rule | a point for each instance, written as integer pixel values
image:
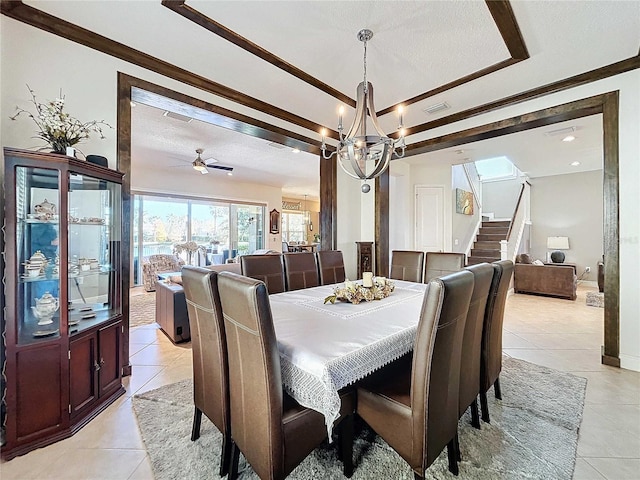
(94, 287)
(37, 244)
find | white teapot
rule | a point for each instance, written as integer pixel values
(46, 307)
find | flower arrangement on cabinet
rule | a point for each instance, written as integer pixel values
(56, 127)
(355, 293)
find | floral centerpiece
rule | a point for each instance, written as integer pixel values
(355, 293)
(56, 127)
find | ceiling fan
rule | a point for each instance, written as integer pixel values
(202, 167)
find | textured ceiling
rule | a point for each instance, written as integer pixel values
(417, 46)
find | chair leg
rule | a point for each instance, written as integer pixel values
(417, 477)
(484, 407)
(451, 453)
(456, 441)
(235, 459)
(475, 416)
(195, 430)
(225, 456)
(346, 445)
(496, 389)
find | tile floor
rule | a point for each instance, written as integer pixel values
(557, 333)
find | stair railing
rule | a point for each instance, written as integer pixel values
(509, 247)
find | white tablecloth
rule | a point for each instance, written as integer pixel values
(324, 348)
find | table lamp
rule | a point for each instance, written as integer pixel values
(556, 244)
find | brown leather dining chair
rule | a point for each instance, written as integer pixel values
(209, 347)
(407, 265)
(267, 268)
(472, 340)
(416, 411)
(330, 266)
(442, 263)
(300, 270)
(491, 353)
(273, 432)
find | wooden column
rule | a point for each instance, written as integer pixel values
(382, 224)
(123, 127)
(328, 203)
(611, 349)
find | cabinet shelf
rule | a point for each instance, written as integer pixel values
(83, 274)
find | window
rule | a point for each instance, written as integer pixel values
(293, 227)
(499, 168)
(222, 229)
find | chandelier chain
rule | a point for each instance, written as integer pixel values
(366, 89)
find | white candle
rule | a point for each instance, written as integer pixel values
(367, 279)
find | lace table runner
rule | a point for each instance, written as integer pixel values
(324, 348)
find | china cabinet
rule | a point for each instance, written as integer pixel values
(63, 297)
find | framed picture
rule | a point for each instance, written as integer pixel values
(464, 202)
(274, 221)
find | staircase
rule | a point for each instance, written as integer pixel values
(487, 245)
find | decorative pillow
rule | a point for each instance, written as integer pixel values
(176, 279)
(524, 258)
(537, 262)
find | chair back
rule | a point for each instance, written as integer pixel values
(442, 263)
(407, 265)
(267, 268)
(208, 345)
(472, 340)
(301, 270)
(254, 372)
(491, 358)
(435, 378)
(330, 266)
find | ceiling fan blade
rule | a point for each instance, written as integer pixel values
(220, 167)
(204, 172)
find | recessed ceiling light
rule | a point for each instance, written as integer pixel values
(575, 164)
(230, 174)
(569, 138)
(296, 150)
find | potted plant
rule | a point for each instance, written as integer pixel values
(56, 127)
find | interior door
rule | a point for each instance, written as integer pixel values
(429, 218)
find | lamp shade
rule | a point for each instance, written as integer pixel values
(558, 243)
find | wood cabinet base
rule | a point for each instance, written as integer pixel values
(8, 454)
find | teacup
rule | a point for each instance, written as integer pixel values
(33, 272)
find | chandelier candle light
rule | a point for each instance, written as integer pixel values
(360, 155)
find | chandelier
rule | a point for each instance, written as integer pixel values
(361, 155)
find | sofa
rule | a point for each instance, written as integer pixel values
(171, 304)
(556, 280)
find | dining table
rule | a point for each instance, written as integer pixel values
(325, 347)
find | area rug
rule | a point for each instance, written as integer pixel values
(533, 435)
(142, 309)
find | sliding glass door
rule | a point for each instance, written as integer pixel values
(222, 230)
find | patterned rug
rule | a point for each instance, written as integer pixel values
(533, 435)
(142, 309)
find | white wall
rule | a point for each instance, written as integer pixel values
(500, 197)
(463, 227)
(569, 206)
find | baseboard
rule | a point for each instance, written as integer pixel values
(611, 361)
(629, 362)
(588, 283)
